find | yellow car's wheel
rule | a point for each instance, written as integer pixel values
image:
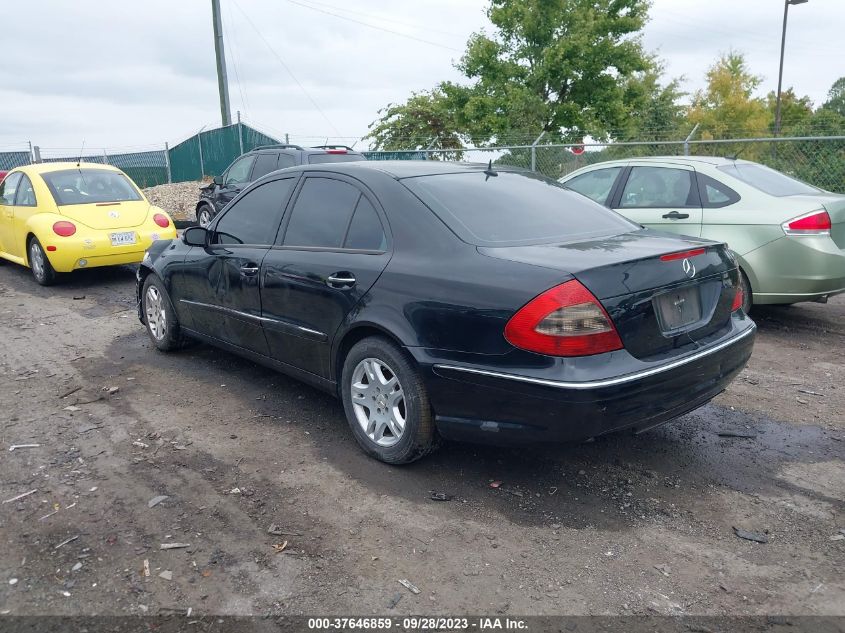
(42, 270)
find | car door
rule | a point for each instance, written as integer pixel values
(8, 189)
(333, 247)
(596, 184)
(25, 207)
(265, 163)
(660, 196)
(218, 286)
(234, 181)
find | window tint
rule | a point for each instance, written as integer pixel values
(239, 171)
(365, 230)
(715, 194)
(84, 186)
(264, 164)
(8, 188)
(254, 219)
(286, 160)
(321, 213)
(768, 180)
(26, 194)
(655, 187)
(596, 185)
(514, 208)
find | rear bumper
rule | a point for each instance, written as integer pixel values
(488, 404)
(96, 250)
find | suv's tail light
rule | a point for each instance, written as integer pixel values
(64, 229)
(336, 151)
(739, 297)
(161, 220)
(815, 223)
(566, 320)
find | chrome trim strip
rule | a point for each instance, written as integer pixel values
(260, 319)
(609, 382)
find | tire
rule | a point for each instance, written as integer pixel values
(42, 269)
(747, 299)
(401, 394)
(160, 317)
(205, 215)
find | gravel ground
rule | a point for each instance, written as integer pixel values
(178, 199)
(622, 525)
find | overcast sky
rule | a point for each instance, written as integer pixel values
(137, 74)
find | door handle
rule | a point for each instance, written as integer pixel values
(674, 215)
(249, 269)
(340, 280)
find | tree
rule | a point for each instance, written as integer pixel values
(559, 66)
(836, 97)
(794, 110)
(727, 107)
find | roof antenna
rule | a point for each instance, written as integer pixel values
(489, 171)
(736, 155)
(81, 149)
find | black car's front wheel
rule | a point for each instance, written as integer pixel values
(205, 215)
(386, 402)
(160, 317)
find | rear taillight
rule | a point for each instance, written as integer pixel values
(161, 220)
(566, 320)
(815, 223)
(336, 151)
(64, 229)
(739, 297)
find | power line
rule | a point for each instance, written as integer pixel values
(287, 68)
(373, 26)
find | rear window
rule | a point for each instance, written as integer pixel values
(514, 208)
(768, 180)
(317, 159)
(83, 186)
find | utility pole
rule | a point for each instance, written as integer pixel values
(220, 54)
(786, 4)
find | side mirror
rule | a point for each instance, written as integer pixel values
(218, 180)
(195, 236)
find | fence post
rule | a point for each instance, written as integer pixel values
(240, 133)
(202, 166)
(534, 150)
(167, 163)
(105, 157)
(36, 152)
(30, 152)
(688, 139)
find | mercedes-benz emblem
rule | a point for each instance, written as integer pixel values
(689, 268)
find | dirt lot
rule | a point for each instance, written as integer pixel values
(622, 525)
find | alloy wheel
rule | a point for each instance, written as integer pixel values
(156, 316)
(204, 218)
(36, 260)
(378, 401)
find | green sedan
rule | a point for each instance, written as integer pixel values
(788, 236)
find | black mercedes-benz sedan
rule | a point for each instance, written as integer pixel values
(454, 300)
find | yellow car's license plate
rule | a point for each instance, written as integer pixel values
(119, 239)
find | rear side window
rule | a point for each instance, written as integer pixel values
(26, 194)
(84, 186)
(264, 164)
(286, 160)
(514, 208)
(321, 213)
(316, 159)
(658, 187)
(768, 180)
(9, 187)
(255, 218)
(715, 194)
(365, 231)
(596, 185)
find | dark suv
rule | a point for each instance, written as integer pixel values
(258, 162)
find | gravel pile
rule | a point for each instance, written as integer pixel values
(178, 199)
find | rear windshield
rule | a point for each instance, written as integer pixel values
(768, 180)
(514, 208)
(315, 159)
(82, 186)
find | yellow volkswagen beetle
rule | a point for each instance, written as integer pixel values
(58, 217)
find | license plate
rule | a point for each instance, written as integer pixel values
(119, 239)
(678, 308)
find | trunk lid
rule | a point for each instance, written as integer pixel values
(660, 301)
(108, 215)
